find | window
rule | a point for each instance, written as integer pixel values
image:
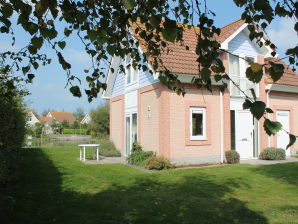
(131, 73)
(197, 123)
(235, 74)
(237, 70)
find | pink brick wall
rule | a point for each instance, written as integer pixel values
(178, 124)
(117, 122)
(148, 122)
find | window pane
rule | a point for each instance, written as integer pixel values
(234, 65)
(127, 135)
(134, 128)
(197, 124)
(128, 75)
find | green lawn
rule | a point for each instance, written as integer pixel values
(54, 187)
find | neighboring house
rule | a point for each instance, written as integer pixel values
(62, 116)
(86, 119)
(201, 126)
(31, 118)
(47, 121)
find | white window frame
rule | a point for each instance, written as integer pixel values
(132, 73)
(242, 70)
(197, 110)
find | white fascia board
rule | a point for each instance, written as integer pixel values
(282, 88)
(110, 79)
(225, 44)
(186, 78)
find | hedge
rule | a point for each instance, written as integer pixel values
(69, 131)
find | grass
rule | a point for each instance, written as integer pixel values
(54, 187)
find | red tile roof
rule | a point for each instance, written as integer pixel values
(180, 60)
(63, 116)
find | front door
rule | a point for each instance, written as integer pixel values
(282, 116)
(130, 131)
(244, 134)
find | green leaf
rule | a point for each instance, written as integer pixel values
(258, 109)
(269, 110)
(61, 44)
(205, 74)
(292, 140)
(129, 4)
(32, 49)
(254, 76)
(276, 71)
(75, 90)
(67, 32)
(170, 32)
(52, 33)
(25, 69)
(37, 42)
(111, 49)
(31, 76)
(247, 104)
(217, 78)
(272, 127)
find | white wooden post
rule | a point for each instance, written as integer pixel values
(84, 154)
(97, 153)
(80, 153)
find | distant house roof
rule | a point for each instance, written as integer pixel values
(27, 111)
(45, 120)
(289, 77)
(62, 116)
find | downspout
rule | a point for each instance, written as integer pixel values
(221, 129)
(268, 105)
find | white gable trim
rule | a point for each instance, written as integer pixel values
(265, 49)
(225, 44)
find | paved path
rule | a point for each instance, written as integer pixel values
(268, 162)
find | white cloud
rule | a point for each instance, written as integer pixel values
(78, 56)
(283, 35)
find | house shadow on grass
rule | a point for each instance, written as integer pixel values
(193, 199)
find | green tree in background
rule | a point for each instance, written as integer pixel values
(100, 120)
(79, 113)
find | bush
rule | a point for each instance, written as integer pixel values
(108, 149)
(136, 147)
(272, 153)
(138, 156)
(232, 157)
(158, 163)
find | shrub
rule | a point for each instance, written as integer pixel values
(108, 149)
(272, 153)
(136, 147)
(69, 131)
(138, 156)
(232, 157)
(158, 163)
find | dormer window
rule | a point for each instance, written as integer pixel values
(237, 70)
(130, 72)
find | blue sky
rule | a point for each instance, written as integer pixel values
(48, 88)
